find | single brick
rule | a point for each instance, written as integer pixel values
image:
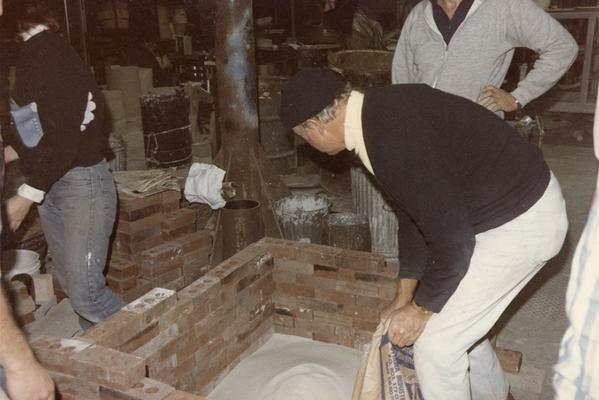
(162, 253)
(121, 268)
(71, 387)
(316, 254)
(139, 213)
(115, 330)
(169, 196)
(196, 241)
(293, 267)
(145, 389)
(141, 225)
(179, 218)
(55, 354)
(360, 261)
(121, 285)
(128, 203)
(153, 304)
(108, 367)
(178, 395)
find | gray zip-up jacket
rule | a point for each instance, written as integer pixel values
(481, 50)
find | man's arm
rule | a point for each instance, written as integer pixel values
(532, 27)
(403, 59)
(26, 379)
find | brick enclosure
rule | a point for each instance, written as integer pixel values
(189, 340)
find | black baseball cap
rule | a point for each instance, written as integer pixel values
(307, 93)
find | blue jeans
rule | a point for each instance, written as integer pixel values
(77, 217)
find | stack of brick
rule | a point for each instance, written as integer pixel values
(156, 245)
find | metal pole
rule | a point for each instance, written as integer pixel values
(236, 76)
(67, 22)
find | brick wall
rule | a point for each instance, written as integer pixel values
(190, 340)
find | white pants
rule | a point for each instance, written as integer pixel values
(451, 361)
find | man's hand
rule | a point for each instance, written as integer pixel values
(405, 293)
(17, 208)
(497, 99)
(405, 325)
(29, 381)
(10, 154)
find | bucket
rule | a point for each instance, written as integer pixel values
(369, 200)
(301, 216)
(16, 262)
(347, 231)
(241, 225)
(277, 141)
(166, 128)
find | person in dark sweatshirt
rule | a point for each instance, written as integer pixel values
(66, 173)
(479, 214)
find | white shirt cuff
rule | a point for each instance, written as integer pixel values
(31, 193)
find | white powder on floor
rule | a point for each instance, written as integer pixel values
(292, 368)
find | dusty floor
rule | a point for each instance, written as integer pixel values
(536, 321)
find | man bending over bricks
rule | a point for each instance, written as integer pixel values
(479, 213)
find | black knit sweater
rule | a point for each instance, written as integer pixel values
(453, 169)
(51, 73)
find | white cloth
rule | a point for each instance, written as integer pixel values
(203, 185)
(504, 260)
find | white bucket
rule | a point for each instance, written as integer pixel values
(16, 262)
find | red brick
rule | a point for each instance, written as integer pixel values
(333, 319)
(141, 225)
(71, 387)
(292, 289)
(145, 389)
(141, 338)
(279, 248)
(360, 261)
(55, 354)
(109, 367)
(139, 213)
(316, 254)
(369, 326)
(153, 304)
(115, 330)
(132, 248)
(128, 203)
(293, 267)
(196, 241)
(179, 218)
(334, 296)
(121, 268)
(143, 286)
(121, 285)
(169, 196)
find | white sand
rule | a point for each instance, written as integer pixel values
(292, 368)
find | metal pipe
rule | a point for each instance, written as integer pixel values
(236, 76)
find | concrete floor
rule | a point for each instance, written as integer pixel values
(536, 321)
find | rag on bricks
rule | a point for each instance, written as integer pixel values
(386, 371)
(146, 80)
(204, 184)
(115, 114)
(126, 79)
